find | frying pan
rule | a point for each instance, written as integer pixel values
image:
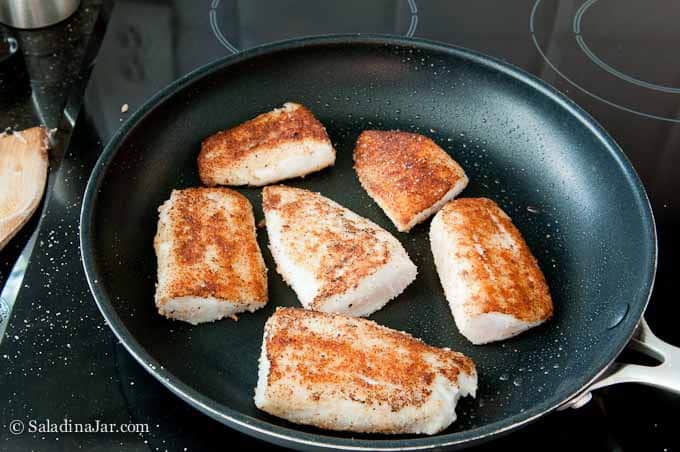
(563, 180)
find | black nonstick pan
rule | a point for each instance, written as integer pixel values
(563, 180)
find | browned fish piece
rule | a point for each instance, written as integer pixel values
(209, 262)
(492, 281)
(284, 143)
(407, 174)
(334, 259)
(346, 373)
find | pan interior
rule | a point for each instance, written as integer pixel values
(560, 180)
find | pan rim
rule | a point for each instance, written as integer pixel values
(290, 436)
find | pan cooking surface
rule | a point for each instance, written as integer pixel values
(564, 182)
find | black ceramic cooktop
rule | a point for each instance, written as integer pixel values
(617, 59)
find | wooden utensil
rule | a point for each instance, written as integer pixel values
(23, 173)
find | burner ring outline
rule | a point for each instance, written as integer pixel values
(597, 60)
(216, 29)
(576, 85)
(413, 25)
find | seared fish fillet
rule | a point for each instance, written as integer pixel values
(407, 174)
(284, 143)
(335, 260)
(492, 281)
(209, 263)
(344, 373)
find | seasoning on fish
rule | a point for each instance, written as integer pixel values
(492, 281)
(334, 259)
(345, 373)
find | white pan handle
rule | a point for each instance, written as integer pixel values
(665, 375)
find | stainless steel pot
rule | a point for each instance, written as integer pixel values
(35, 13)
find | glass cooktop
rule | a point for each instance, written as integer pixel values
(616, 59)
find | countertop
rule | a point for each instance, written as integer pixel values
(54, 64)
